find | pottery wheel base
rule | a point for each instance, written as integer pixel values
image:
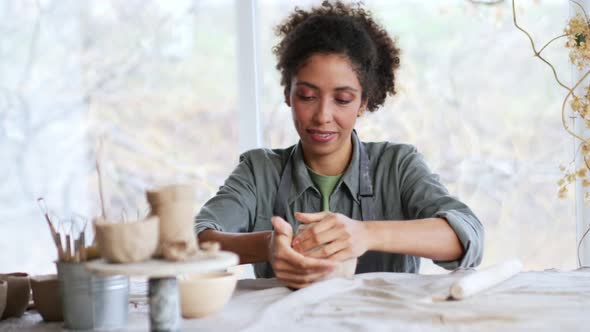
(164, 305)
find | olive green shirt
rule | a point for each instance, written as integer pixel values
(404, 187)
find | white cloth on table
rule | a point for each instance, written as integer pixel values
(539, 301)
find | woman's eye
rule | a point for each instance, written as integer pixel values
(342, 101)
(306, 98)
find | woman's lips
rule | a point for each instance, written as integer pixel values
(321, 136)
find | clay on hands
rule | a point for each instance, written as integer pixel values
(344, 269)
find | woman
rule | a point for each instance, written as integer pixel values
(377, 202)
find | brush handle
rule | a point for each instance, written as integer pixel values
(60, 248)
(68, 248)
(82, 243)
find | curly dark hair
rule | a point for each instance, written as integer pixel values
(339, 28)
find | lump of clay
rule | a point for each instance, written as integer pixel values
(211, 247)
(177, 251)
(344, 269)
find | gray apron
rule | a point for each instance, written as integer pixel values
(368, 262)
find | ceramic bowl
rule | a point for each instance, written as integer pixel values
(18, 294)
(3, 289)
(46, 297)
(205, 294)
(127, 242)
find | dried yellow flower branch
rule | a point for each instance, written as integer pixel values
(577, 32)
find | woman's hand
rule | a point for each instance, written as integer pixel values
(331, 235)
(291, 267)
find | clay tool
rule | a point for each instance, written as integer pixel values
(99, 173)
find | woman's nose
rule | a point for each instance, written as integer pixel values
(323, 113)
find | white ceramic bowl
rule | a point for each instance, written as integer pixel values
(205, 294)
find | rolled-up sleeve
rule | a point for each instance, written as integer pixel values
(233, 208)
(423, 196)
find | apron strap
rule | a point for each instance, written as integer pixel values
(281, 205)
(365, 194)
(369, 261)
(280, 209)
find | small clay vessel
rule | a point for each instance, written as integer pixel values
(174, 206)
(18, 294)
(46, 297)
(127, 242)
(170, 194)
(3, 290)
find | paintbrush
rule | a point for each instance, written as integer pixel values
(55, 235)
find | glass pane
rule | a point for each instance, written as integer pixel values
(484, 111)
(155, 79)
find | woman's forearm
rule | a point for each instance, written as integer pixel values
(250, 247)
(431, 238)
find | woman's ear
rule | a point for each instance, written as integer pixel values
(362, 109)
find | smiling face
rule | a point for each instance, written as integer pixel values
(325, 100)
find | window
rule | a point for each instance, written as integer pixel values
(156, 79)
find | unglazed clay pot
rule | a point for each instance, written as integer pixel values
(46, 297)
(170, 194)
(205, 294)
(174, 205)
(177, 236)
(344, 269)
(18, 294)
(3, 289)
(127, 242)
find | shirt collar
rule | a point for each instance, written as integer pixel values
(302, 181)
